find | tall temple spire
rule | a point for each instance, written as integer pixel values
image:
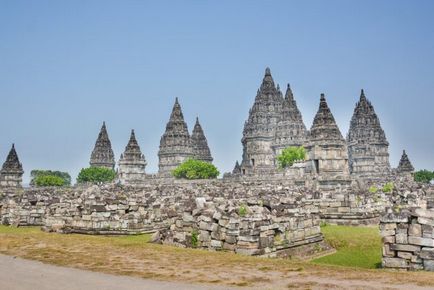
(405, 165)
(327, 149)
(102, 154)
(324, 126)
(368, 148)
(259, 129)
(132, 162)
(290, 129)
(12, 170)
(175, 144)
(200, 144)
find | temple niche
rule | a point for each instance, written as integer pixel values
(132, 162)
(327, 149)
(368, 148)
(11, 174)
(102, 154)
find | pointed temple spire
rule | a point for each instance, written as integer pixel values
(175, 144)
(405, 165)
(200, 144)
(324, 126)
(259, 129)
(237, 169)
(327, 148)
(132, 162)
(368, 148)
(12, 170)
(102, 154)
(290, 129)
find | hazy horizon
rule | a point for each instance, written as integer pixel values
(65, 67)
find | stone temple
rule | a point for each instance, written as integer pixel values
(12, 171)
(367, 143)
(102, 154)
(132, 162)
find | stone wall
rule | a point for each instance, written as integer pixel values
(408, 239)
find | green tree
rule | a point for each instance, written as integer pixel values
(96, 175)
(424, 176)
(34, 174)
(289, 155)
(49, 180)
(195, 169)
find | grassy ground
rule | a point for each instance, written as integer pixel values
(356, 246)
(133, 256)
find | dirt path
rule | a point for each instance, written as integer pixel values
(20, 274)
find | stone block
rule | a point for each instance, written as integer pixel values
(415, 230)
(401, 238)
(394, 263)
(427, 253)
(216, 244)
(405, 248)
(428, 265)
(404, 255)
(427, 242)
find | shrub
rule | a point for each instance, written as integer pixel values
(373, 189)
(388, 187)
(194, 238)
(49, 180)
(96, 175)
(242, 210)
(34, 174)
(289, 155)
(424, 176)
(195, 169)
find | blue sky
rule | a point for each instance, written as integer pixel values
(66, 66)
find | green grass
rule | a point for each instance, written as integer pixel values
(356, 246)
(19, 230)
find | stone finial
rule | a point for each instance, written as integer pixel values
(362, 96)
(405, 165)
(12, 170)
(200, 144)
(289, 95)
(267, 71)
(102, 154)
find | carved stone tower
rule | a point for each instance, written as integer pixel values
(132, 162)
(259, 129)
(12, 171)
(368, 149)
(290, 130)
(102, 154)
(405, 166)
(200, 144)
(327, 150)
(175, 144)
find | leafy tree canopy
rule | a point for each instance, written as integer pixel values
(49, 180)
(96, 175)
(195, 169)
(34, 174)
(289, 155)
(424, 176)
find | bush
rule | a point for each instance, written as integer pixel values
(34, 174)
(194, 238)
(49, 180)
(195, 169)
(242, 210)
(96, 175)
(373, 189)
(289, 155)
(424, 176)
(388, 187)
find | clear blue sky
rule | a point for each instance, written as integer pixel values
(65, 66)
